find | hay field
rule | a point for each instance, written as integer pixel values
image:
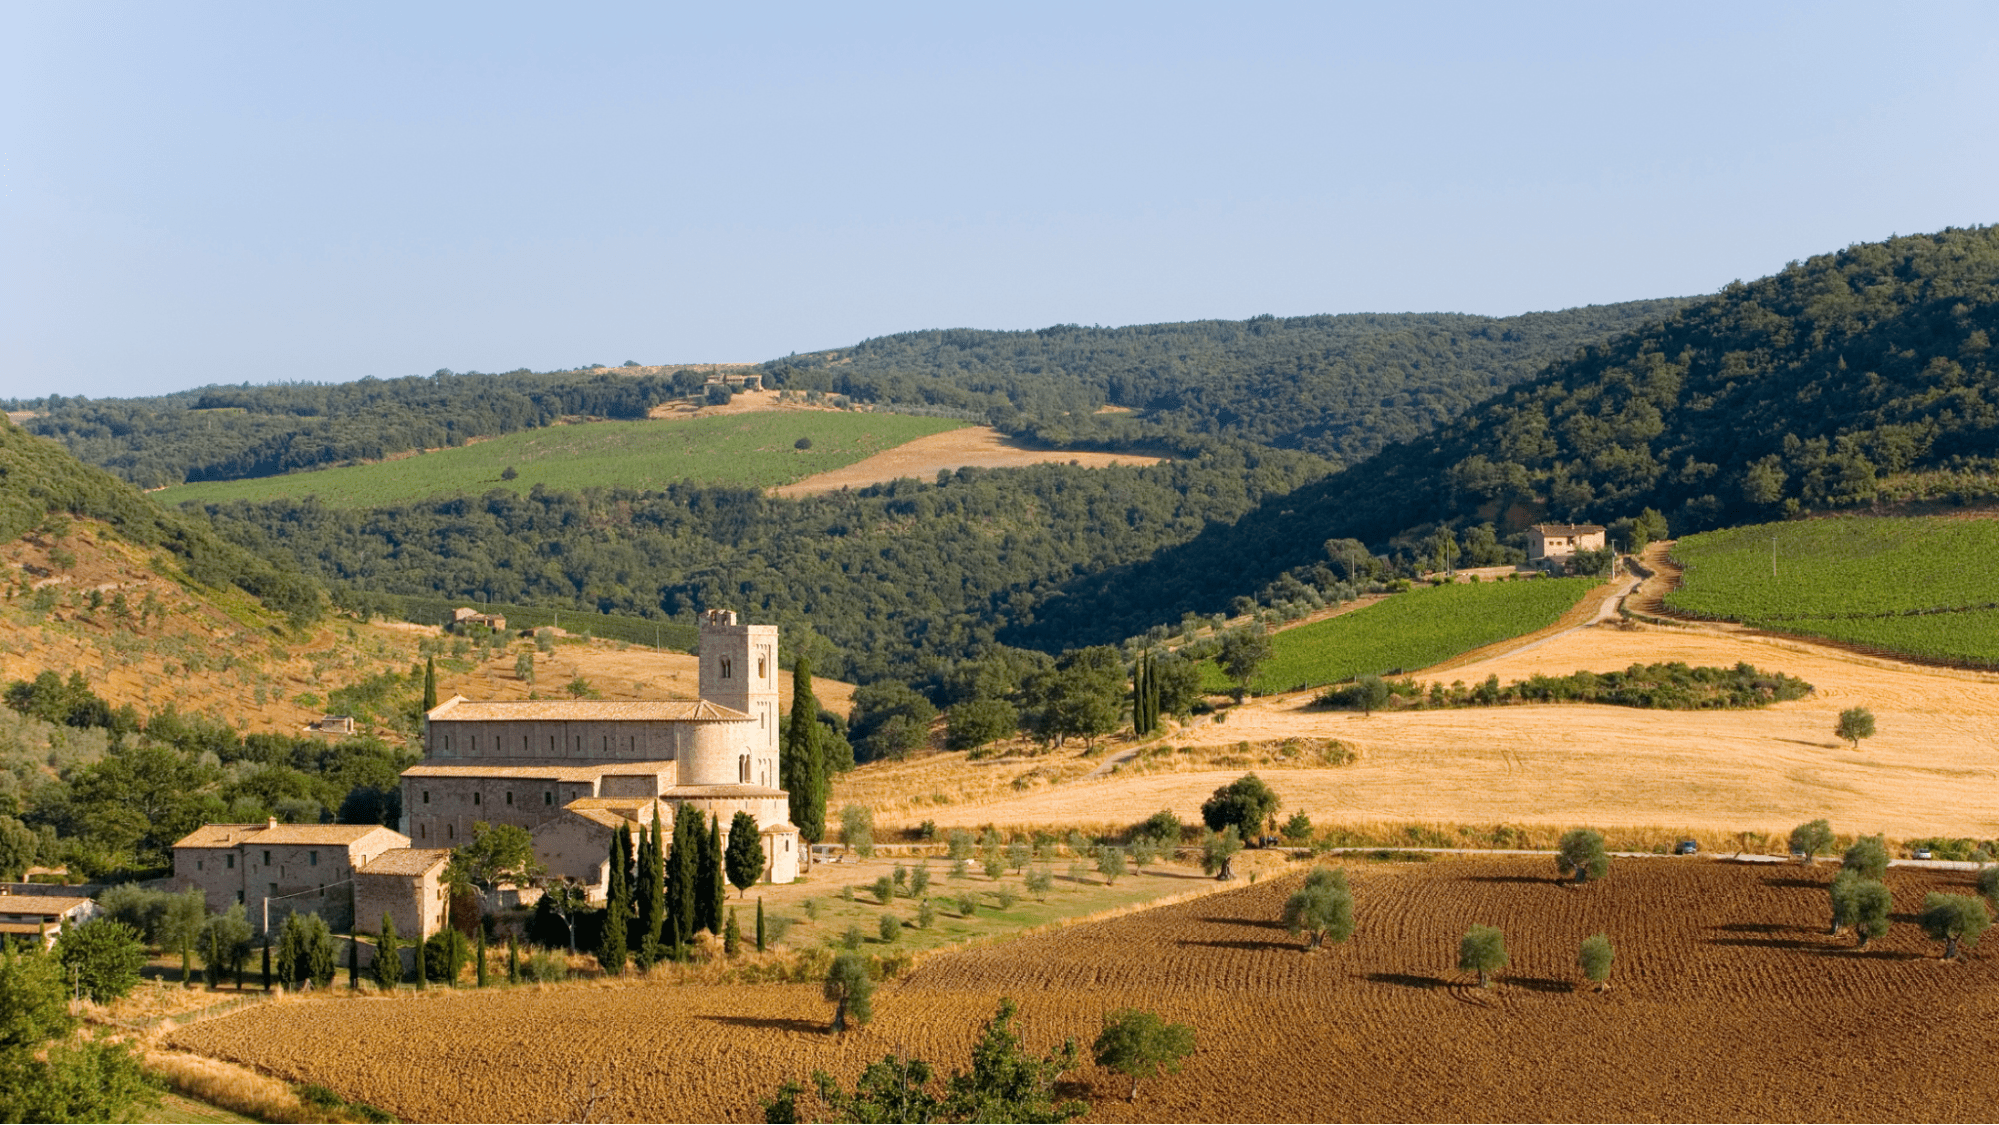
(1726, 1002)
(923, 458)
(1929, 771)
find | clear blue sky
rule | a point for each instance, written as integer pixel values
(195, 193)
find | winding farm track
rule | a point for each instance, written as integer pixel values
(1728, 1002)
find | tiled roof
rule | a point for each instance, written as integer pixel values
(1568, 528)
(407, 861)
(460, 709)
(689, 791)
(21, 929)
(547, 771)
(232, 835)
(40, 904)
(613, 811)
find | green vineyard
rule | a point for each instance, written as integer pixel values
(1921, 586)
(1410, 631)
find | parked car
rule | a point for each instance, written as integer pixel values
(1686, 847)
(1925, 853)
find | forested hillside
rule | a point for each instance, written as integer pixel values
(225, 433)
(900, 578)
(39, 480)
(1339, 386)
(1814, 388)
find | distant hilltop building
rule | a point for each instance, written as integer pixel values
(1552, 544)
(570, 771)
(465, 616)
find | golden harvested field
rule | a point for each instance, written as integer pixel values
(1726, 1002)
(1929, 771)
(979, 446)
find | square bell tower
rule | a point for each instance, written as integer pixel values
(739, 671)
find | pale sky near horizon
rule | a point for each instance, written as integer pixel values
(214, 193)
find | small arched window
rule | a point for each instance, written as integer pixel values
(760, 667)
(725, 667)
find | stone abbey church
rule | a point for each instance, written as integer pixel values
(569, 771)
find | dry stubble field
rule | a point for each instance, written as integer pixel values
(1727, 1002)
(1929, 771)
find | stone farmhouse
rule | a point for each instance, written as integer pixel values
(1550, 545)
(571, 771)
(273, 869)
(42, 916)
(407, 885)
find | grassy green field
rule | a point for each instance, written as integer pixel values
(1409, 631)
(756, 450)
(1923, 586)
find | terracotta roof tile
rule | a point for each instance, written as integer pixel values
(40, 904)
(460, 709)
(547, 771)
(407, 861)
(234, 835)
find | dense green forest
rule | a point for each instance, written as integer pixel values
(1809, 389)
(226, 433)
(1339, 386)
(38, 480)
(900, 578)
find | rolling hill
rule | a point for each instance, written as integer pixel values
(1854, 376)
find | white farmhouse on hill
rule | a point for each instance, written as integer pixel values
(1550, 545)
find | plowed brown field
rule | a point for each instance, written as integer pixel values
(1727, 1002)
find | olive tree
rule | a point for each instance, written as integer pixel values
(1110, 863)
(851, 990)
(857, 830)
(1862, 903)
(1580, 853)
(1954, 920)
(1245, 803)
(1482, 951)
(1322, 909)
(1868, 857)
(1218, 852)
(1855, 723)
(1811, 838)
(1139, 1045)
(1594, 957)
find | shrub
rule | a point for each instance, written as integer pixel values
(1038, 882)
(852, 939)
(1139, 1044)
(1954, 920)
(919, 880)
(1594, 957)
(968, 905)
(1162, 826)
(925, 915)
(884, 889)
(1868, 856)
(545, 967)
(1482, 951)
(102, 958)
(889, 926)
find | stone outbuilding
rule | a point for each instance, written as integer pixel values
(407, 884)
(272, 869)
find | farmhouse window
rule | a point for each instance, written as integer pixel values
(725, 667)
(510, 796)
(229, 861)
(475, 798)
(239, 898)
(274, 890)
(312, 858)
(197, 865)
(423, 830)
(548, 796)
(426, 796)
(451, 831)
(551, 744)
(267, 857)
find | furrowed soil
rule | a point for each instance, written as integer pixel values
(1929, 770)
(1727, 1002)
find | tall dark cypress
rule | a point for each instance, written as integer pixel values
(429, 684)
(681, 867)
(802, 760)
(619, 886)
(714, 885)
(653, 892)
(1151, 694)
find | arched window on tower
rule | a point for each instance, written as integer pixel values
(743, 770)
(760, 667)
(725, 667)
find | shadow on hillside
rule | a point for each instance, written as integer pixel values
(1533, 879)
(1542, 984)
(1852, 954)
(771, 1023)
(1796, 884)
(1249, 946)
(1760, 928)
(1408, 980)
(1765, 943)
(1255, 923)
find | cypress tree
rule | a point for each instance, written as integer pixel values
(681, 904)
(802, 760)
(619, 885)
(429, 684)
(422, 970)
(715, 884)
(653, 891)
(267, 962)
(1151, 695)
(482, 956)
(760, 923)
(353, 961)
(388, 959)
(513, 961)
